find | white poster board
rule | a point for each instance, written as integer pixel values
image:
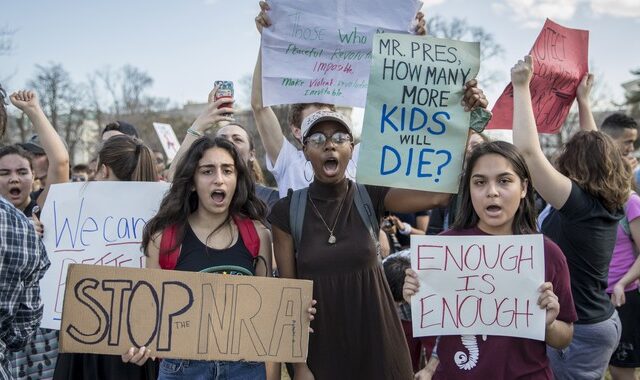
(97, 223)
(478, 285)
(320, 51)
(168, 139)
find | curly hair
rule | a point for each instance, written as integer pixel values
(594, 162)
(524, 220)
(181, 201)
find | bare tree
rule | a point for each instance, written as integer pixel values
(127, 88)
(62, 102)
(94, 99)
(459, 29)
(133, 85)
(53, 84)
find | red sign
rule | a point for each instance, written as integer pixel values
(559, 62)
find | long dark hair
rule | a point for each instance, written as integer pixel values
(182, 200)
(524, 221)
(128, 158)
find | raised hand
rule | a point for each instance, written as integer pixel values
(212, 115)
(262, 19)
(25, 100)
(584, 88)
(419, 25)
(522, 72)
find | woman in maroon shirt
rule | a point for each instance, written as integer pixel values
(497, 199)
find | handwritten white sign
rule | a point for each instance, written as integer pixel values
(98, 223)
(168, 139)
(478, 285)
(320, 51)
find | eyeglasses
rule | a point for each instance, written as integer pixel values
(318, 139)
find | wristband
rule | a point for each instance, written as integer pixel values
(407, 229)
(195, 133)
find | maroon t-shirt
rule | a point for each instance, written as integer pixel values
(500, 357)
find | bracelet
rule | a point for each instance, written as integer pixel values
(406, 230)
(195, 133)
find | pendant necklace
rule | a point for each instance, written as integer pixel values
(332, 237)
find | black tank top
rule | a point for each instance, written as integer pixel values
(196, 256)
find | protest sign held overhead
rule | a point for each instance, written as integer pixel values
(560, 61)
(97, 223)
(415, 129)
(320, 51)
(168, 139)
(185, 315)
(478, 285)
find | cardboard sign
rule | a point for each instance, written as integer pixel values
(185, 315)
(320, 51)
(415, 130)
(478, 285)
(168, 139)
(97, 223)
(560, 58)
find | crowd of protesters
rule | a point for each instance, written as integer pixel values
(311, 227)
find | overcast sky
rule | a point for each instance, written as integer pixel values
(186, 45)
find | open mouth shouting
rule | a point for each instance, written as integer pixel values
(15, 192)
(218, 197)
(330, 166)
(493, 210)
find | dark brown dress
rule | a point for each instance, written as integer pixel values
(357, 331)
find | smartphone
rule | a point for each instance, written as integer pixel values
(225, 90)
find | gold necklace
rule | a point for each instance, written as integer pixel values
(332, 238)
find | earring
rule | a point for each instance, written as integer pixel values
(304, 171)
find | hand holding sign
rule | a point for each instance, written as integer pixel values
(262, 19)
(549, 301)
(420, 27)
(584, 88)
(561, 62)
(137, 356)
(474, 97)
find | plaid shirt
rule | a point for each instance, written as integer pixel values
(23, 261)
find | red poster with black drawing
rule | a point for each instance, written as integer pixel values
(560, 58)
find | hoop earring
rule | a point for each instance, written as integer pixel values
(304, 171)
(348, 172)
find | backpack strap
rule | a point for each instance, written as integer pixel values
(169, 257)
(296, 215)
(367, 212)
(249, 234)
